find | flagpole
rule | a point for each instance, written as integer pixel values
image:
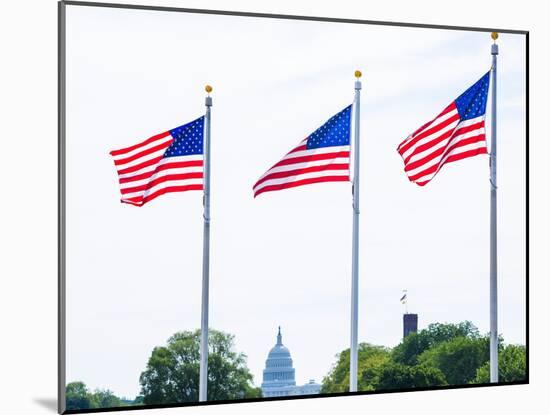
(203, 377)
(493, 355)
(355, 248)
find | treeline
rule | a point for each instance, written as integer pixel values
(172, 375)
(78, 396)
(440, 355)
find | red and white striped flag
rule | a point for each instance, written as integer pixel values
(165, 163)
(321, 157)
(455, 134)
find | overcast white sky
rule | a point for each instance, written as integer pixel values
(134, 274)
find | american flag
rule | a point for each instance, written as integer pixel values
(321, 157)
(455, 134)
(168, 162)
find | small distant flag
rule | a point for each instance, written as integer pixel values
(168, 162)
(322, 157)
(403, 299)
(457, 133)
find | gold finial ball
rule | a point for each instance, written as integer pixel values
(358, 74)
(208, 88)
(494, 35)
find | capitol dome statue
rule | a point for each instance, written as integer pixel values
(279, 375)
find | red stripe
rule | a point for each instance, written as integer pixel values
(296, 172)
(429, 131)
(429, 144)
(162, 179)
(135, 146)
(456, 157)
(138, 201)
(436, 167)
(302, 183)
(423, 183)
(411, 136)
(172, 189)
(313, 157)
(468, 128)
(301, 147)
(161, 167)
(449, 108)
(443, 151)
(461, 143)
(444, 136)
(466, 154)
(144, 153)
(140, 165)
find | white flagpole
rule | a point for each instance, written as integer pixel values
(355, 248)
(203, 377)
(493, 261)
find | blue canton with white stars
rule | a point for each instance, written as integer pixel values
(335, 132)
(472, 103)
(188, 139)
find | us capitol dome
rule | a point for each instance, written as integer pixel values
(279, 375)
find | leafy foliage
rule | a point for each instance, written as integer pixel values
(79, 397)
(459, 358)
(172, 372)
(370, 359)
(415, 344)
(511, 366)
(441, 354)
(105, 399)
(397, 376)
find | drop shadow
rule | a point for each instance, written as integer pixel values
(48, 403)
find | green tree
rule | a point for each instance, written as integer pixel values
(172, 372)
(138, 400)
(511, 365)
(412, 346)
(458, 358)
(104, 398)
(77, 396)
(441, 354)
(369, 361)
(398, 376)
